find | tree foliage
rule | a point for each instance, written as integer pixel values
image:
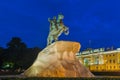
(18, 53)
(16, 43)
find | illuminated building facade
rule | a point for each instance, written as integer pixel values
(99, 60)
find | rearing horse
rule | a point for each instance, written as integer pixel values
(55, 33)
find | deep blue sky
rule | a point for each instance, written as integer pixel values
(90, 21)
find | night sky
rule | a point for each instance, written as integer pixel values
(93, 23)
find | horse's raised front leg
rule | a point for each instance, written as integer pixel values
(66, 31)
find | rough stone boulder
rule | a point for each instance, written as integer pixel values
(58, 60)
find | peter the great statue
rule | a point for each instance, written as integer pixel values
(58, 59)
(57, 27)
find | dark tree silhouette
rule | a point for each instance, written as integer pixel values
(18, 53)
(15, 50)
(1, 55)
(16, 43)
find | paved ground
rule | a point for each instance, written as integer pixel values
(11, 76)
(97, 77)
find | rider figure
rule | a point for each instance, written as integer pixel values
(53, 23)
(57, 27)
(60, 18)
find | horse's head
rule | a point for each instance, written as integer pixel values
(60, 16)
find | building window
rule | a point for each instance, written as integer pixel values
(114, 67)
(96, 67)
(113, 54)
(110, 67)
(113, 61)
(110, 61)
